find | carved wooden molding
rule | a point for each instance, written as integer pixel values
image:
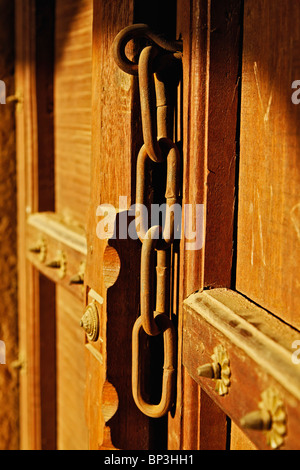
(50, 238)
(260, 349)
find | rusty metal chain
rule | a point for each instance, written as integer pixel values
(156, 63)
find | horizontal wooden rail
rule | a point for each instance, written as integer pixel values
(261, 352)
(51, 240)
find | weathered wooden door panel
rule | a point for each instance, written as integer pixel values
(32, 197)
(211, 43)
(233, 300)
(254, 351)
(72, 104)
(268, 221)
(53, 136)
(111, 92)
(266, 229)
(112, 276)
(72, 150)
(70, 370)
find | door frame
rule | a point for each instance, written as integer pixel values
(211, 88)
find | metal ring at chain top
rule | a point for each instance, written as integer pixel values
(157, 129)
(138, 31)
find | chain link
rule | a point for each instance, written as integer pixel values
(155, 69)
(139, 31)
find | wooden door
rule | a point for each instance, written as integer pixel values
(74, 152)
(53, 86)
(244, 278)
(233, 298)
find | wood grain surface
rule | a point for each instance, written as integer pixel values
(268, 219)
(211, 42)
(72, 431)
(72, 134)
(9, 410)
(260, 351)
(37, 410)
(72, 104)
(117, 139)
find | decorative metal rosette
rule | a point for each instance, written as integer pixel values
(221, 359)
(274, 405)
(90, 322)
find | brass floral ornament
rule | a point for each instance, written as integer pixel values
(59, 263)
(90, 322)
(218, 370)
(272, 402)
(221, 358)
(41, 249)
(271, 418)
(78, 279)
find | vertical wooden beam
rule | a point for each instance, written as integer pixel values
(9, 410)
(117, 139)
(45, 21)
(210, 32)
(26, 153)
(32, 156)
(225, 54)
(113, 419)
